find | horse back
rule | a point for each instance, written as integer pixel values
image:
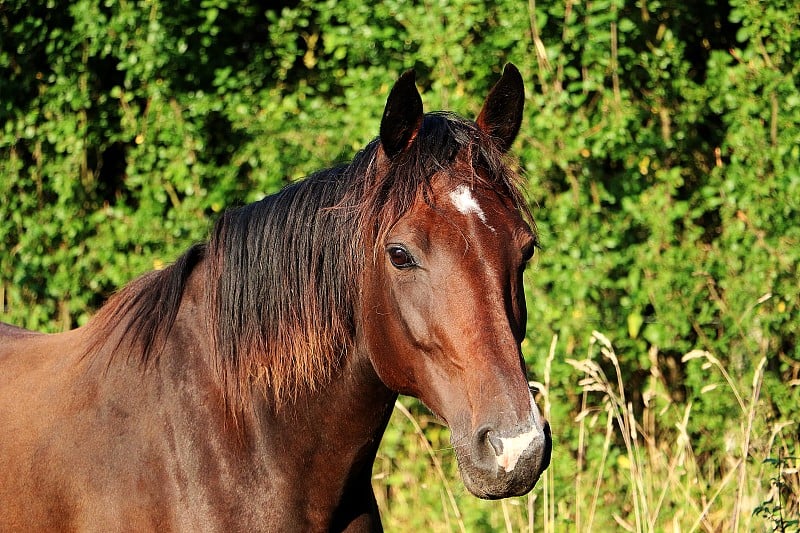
(9, 331)
(15, 342)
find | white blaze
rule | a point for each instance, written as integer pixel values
(466, 204)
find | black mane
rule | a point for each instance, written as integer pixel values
(284, 271)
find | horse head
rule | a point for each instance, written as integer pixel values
(442, 299)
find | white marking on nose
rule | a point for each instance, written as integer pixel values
(514, 447)
(466, 204)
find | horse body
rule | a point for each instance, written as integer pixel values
(99, 449)
(246, 388)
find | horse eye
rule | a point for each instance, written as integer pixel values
(529, 250)
(400, 257)
(528, 253)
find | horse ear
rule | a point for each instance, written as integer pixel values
(501, 115)
(402, 116)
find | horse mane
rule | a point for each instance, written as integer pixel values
(146, 308)
(284, 272)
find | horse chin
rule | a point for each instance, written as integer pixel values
(484, 478)
(498, 484)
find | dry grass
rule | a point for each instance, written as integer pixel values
(627, 471)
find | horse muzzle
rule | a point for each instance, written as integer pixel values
(500, 463)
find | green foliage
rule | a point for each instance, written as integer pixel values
(661, 146)
(773, 509)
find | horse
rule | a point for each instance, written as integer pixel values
(246, 387)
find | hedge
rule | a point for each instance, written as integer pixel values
(661, 147)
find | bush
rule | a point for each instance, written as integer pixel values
(661, 146)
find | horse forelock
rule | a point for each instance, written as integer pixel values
(445, 145)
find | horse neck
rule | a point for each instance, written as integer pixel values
(329, 437)
(320, 446)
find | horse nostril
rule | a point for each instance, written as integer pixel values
(487, 444)
(495, 442)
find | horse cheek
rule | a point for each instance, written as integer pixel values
(399, 334)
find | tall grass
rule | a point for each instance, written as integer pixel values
(632, 466)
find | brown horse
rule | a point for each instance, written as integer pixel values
(246, 387)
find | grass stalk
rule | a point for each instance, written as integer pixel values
(756, 392)
(506, 516)
(436, 463)
(657, 482)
